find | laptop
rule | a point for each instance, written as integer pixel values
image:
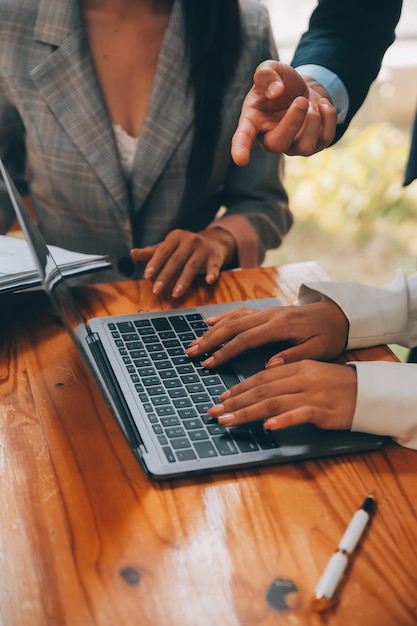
(160, 397)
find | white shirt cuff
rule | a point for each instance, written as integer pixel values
(386, 400)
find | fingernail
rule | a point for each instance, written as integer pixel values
(216, 410)
(273, 88)
(208, 361)
(191, 349)
(271, 424)
(225, 394)
(149, 272)
(210, 279)
(227, 419)
(178, 291)
(274, 363)
(158, 287)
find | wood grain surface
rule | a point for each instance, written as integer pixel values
(88, 540)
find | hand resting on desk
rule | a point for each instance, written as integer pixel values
(174, 262)
(293, 389)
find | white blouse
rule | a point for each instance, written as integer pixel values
(127, 147)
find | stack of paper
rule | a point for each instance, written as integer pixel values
(17, 270)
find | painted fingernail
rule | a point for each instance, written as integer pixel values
(158, 287)
(227, 419)
(178, 291)
(216, 410)
(274, 362)
(149, 272)
(191, 349)
(208, 361)
(225, 394)
(271, 424)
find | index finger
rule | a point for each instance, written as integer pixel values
(267, 86)
(243, 140)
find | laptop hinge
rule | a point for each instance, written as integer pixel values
(110, 388)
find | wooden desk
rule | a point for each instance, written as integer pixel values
(86, 539)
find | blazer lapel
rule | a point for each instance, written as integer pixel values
(67, 82)
(169, 113)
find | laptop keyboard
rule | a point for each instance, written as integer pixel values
(176, 391)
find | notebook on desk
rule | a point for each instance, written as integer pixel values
(159, 396)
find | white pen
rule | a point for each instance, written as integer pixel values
(326, 589)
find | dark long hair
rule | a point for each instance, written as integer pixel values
(213, 36)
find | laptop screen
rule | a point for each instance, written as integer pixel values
(52, 279)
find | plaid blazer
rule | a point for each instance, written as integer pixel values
(57, 140)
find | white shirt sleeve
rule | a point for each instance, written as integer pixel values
(377, 315)
(386, 401)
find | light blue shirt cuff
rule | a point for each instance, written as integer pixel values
(332, 84)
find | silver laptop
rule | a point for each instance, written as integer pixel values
(160, 397)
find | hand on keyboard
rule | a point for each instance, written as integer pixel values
(313, 331)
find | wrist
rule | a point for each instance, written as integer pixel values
(225, 239)
(340, 323)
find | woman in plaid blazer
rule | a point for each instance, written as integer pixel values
(77, 77)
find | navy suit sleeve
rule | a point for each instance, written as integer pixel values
(350, 38)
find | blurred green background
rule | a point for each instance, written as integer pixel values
(352, 213)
